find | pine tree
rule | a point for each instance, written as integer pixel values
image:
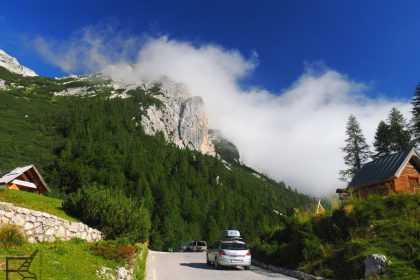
(416, 115)
(382, 142)
(357, 150)
(399, 132)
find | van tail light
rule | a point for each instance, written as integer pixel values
(221, 252)
(248, 253)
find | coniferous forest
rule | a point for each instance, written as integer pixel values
(92, 149)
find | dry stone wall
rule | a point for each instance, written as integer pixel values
(39, 226)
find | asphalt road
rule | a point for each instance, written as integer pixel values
(192, 266)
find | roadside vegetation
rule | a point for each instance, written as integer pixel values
(63, 260)
(334, 245)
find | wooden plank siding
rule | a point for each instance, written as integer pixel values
(402, 183)
(381, 188)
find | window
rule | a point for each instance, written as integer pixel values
(234, 246)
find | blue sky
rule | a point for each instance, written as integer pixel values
(375, 42)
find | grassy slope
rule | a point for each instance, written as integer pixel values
(62, 260)
(35, 202)
(378, 225)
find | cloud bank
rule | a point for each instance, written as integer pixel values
(294, 135)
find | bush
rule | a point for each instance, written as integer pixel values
(110, 211)
(11, 236)
(113, 250)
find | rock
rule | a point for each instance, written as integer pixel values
(182, 119)
(193, 128)
(18, 220)
(2, 84)
(11, 64)
(36, 214)
(60, 233)
(5, 220)
(28, 226)
(9, 214)
(46, 215)
(49, 231)
(6, 206)
(375, 264)
(121, 273)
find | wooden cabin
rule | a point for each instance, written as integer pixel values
(25, 178)
(396, 173)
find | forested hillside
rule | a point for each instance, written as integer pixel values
(96, 141)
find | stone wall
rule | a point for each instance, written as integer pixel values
(39, 226)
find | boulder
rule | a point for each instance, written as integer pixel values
(375, 264)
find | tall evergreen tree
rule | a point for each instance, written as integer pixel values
(416, 115)
(399, 132)
(382, 142)
(356, 150)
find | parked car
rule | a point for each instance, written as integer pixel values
(194, 246)
(229, 252)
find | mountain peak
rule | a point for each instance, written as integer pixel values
(11, 64)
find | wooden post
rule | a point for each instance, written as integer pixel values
(319, 208)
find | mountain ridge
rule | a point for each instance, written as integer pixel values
(12, 64)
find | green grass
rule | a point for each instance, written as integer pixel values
(35, 202)
(140, 266)
(61, 260)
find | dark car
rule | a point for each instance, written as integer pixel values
(194, 246)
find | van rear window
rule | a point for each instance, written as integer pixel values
(201, 244)
(234, 246)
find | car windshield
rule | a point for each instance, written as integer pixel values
(234, 246)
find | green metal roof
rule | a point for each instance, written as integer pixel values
(385, 167)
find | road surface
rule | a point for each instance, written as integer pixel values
(192, 266)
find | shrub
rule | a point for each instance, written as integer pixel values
(11, 236)
(110, 211)
(113, 250)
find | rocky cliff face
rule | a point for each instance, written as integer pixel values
(182, 118)
(11, 64)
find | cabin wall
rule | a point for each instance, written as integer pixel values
(383, 188)
(402, 183)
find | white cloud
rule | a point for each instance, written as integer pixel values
(293, 136)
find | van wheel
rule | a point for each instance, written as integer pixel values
(247, 267)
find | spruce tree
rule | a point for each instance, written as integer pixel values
(356, 150)
(416, 115)
(382, 142)
(399, 132)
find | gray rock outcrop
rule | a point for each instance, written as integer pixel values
(375, 264)
(11, 64)
(182, 118)
(41, 227)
